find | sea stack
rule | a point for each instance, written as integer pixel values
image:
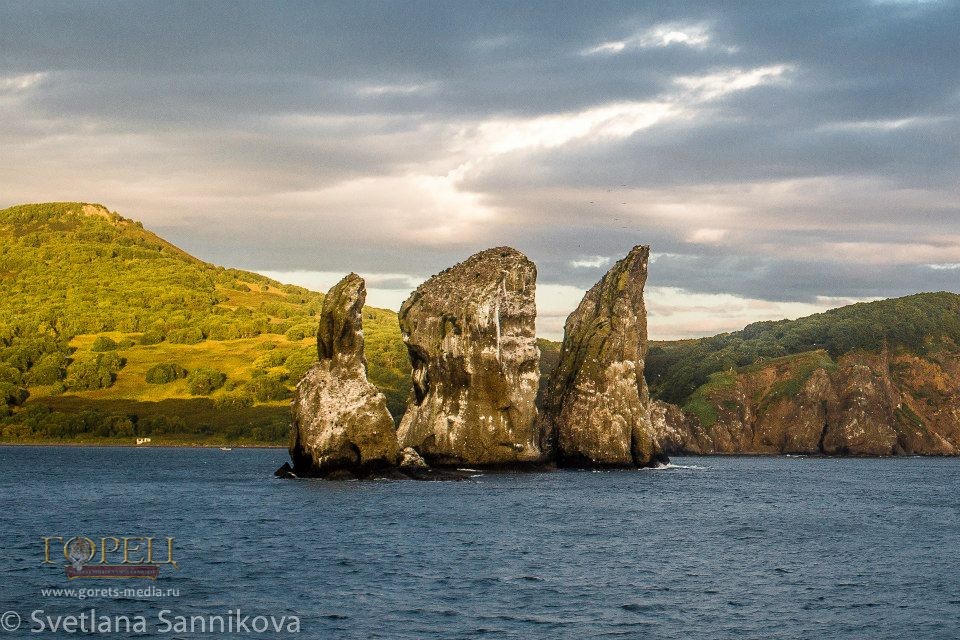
(471, 335)
(341, 425)
(597, 408)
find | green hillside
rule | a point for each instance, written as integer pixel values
(676, 370)
(107, 331)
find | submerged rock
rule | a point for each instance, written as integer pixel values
(410, 459)
(285, 471)
(597, 408)
(341, 426)
(471, 337)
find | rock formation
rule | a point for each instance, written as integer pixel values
(676, 432)
(471, 338)
(340, 420)
(596, 407)
(410, 459)
(863, 403)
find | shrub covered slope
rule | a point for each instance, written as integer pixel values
(108, 331)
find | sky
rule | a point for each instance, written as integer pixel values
(780, 158)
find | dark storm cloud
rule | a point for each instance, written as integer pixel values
(371, 136)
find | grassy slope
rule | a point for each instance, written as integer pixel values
(70, 272)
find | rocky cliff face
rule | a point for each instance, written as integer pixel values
(677, 432)
(471, 338)
(340, 420)
(596, 407)
(861, 404)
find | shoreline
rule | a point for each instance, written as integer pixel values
(141, 446)
(535, 468)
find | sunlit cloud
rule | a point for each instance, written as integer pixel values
(554, 303)
(434, 208)
(414, 208)
(716, 85)
(675, 313)
(394, 89)
(611, 121)
(696, 36)
(882, 125)
(608, 122)
(594, 262)
(384, 290)
(21, 82)
(707, 236)
(891, 253)
(747, 150)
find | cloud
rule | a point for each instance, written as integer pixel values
(766, 154)
(392, 89)
(881, 125)
(384, 290)
(21, 82)
(618, 120)
(707, 236)
(554, 304)
(410, 208)
(696, 36)
(594, 262)
(716, 85)
(674, 313)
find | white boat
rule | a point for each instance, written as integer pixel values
(226, 449)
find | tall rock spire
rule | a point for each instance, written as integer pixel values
(340, 420)
(597, 408)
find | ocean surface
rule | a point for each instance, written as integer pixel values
(724, 547)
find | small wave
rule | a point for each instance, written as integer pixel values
(669, 466)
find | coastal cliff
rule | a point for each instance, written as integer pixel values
(899, 399)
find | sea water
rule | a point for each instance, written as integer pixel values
(713, 547)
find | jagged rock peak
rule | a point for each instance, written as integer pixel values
(340, 420)
(340, 332)
(470, 332)
(597, 408)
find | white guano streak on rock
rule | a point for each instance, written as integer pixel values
(496, 315)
